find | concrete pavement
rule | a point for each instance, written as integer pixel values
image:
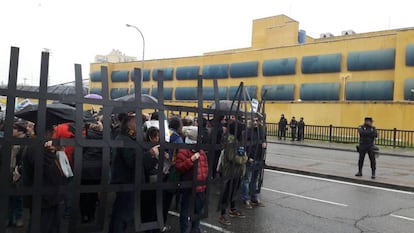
(393, 171)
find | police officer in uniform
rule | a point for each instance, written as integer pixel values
(367, 134)
(293, 127)
(282, 127)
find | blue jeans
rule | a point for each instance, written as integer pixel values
(199, 202)
(122, 212)
(250, 182)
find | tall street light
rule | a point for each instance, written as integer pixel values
(143, 51)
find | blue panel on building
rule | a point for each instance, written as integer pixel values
(244, 69)
(96, 76)
(328, 63)
(168, 73)
(146, 75)
(186, 93)
(208, 93)
(409, 89)
(284, 66)
(216, 71)
(120, 76)
(167, 93)
(97, 91)
(319, 91)
(371, 60)
(282, 92)
(252, 90)
(118, 92)
(187, 72)
(409, 55)
(371, 90)
(143, 90)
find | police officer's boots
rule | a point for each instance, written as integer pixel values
(359, 173)
(373, 174)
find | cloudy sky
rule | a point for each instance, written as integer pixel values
(77, 30)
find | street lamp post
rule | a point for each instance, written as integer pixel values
(143, 51)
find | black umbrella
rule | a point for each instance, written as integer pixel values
(226, 105)
(130, 103)
(55, 113)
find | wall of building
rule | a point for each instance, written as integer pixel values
(321, 74)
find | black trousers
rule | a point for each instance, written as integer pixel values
(230, 189)
(282, 133)
(88, 201)
(300, 134)
(294, 130)
(362, 152)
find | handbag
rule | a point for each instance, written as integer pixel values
(64, 164)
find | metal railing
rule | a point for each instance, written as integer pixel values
(386, 137)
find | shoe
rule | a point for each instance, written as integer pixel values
(248, 205)
(19, 223)
(234, 213)
(224, 220)
(358, 174)
(373, 174)
(258, 203)
(166, 228)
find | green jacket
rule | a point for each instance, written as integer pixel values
(233, 165)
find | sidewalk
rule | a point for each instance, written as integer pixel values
(342, 146)
(395, 167)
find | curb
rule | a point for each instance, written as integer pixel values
(341, 178)
(336, 148)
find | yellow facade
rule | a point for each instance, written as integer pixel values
(277, 37)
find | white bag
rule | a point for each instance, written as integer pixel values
(64, 163)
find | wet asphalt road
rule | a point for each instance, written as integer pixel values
(302, 204)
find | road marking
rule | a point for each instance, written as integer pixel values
(402, 217)
(305, 197)
(211, 226)
(341, 182)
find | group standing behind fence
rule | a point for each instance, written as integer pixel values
(237, 164)
(297, 128)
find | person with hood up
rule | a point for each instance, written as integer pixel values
(186, 162)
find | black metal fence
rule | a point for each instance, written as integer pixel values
(386, 137)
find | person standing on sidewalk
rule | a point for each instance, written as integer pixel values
(367, 134)
(255, 149)
(301, 129)
(282, 127)
(293, 127)
(185, 164)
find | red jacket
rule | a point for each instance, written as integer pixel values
(63, 131)
(185, 167)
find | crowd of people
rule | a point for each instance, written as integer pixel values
(297, 128)
(235, 161)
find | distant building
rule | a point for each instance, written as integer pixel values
(114, 56)
(334, 79)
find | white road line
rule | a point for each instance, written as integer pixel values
(305, 197)
(211, 226)
(341, 182)
(402, 217)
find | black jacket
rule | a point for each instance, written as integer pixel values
(123, 163)
(92, 158)
(52, 176)
(367, 135)
(293, 124)
(255, 137)
(282, 123)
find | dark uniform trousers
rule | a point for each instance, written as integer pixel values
(363, 150)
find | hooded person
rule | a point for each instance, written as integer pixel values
(189, 161)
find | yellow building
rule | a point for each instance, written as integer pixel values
(334, 80)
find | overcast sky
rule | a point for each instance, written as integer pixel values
(77, 30)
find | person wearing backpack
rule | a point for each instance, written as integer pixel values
(232, 167)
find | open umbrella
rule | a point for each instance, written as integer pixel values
(226, 105)
(130, 103)
(55, 113)
(93, 96)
